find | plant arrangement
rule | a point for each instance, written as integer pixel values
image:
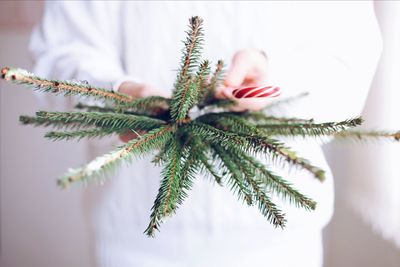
(192, 132)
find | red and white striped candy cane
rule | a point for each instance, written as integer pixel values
(257, 91)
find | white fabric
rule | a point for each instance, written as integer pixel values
(327, 48)
(378, 186)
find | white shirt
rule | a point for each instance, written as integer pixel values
(329, 49)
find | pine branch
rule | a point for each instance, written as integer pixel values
(37, 121)
(139, 146)
(278, 185)
(184, 100)
(208, 168)
(199, 152)
(259, 117)
(152, 105)
(362, 135)
(116, 121)
(285, 101)
(237, 183)
(68, 88)
(219, 103)
(255, 144)
(292, 158)
(263, 201)
(94, 108)
(208, 98)
(169, 195)
(191, 51)
(185, 93)
(230, 121)
(90, 133)
(217, 77)
(202, 79)
(308, 129)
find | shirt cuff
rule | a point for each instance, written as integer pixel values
(123, 79)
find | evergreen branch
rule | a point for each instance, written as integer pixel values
(208, 98)
(151, 104)
(191, 51)
(259, 117)
(238, 184)
(362, 135)
(199, 151)
(217, 77)
(139, 146)
(308, 129)
(219, 103)
(285, 101)
(37, 121)
(255, 144)
(169, 195)
(94, 108)
(266, 206)
(183, 100)
(208, 168)
(90, 133)
(68, 88)
(264, 202)
(230, 121)
(202, 79)
(292, 158)
(116, 121)
(278, 185)
(241, 180)
(186, 92)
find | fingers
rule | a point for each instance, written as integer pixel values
(237, 73)
(223, 92)
(249, 67)
(236, 76)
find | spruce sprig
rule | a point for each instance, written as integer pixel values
(219, 143)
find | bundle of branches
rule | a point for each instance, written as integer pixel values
(218, 142)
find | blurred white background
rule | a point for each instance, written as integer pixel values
(43, 226)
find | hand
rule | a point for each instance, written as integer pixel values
(137, 90)
(249, 68)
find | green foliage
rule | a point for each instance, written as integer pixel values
(67, 88)
(172, 184)
(221, 144)
(139, 146)
(107, 121)
(307, 129)
(362, 135)
(186, 89)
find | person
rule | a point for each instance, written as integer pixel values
(329, 49)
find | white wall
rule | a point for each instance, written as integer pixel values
(40, 225)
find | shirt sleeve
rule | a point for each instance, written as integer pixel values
(80, 40)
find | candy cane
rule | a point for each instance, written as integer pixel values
(257, 91)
